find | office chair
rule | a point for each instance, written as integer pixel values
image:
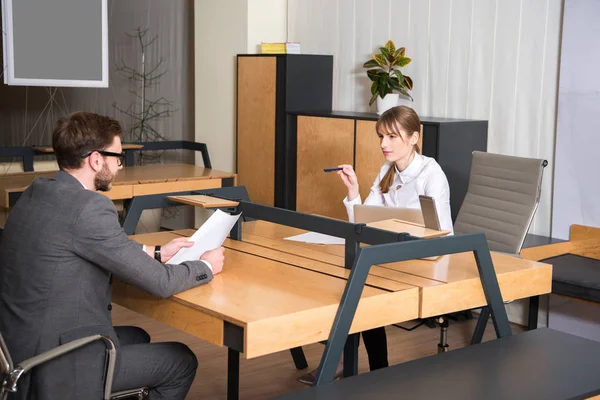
(501, 201)
(10, 374)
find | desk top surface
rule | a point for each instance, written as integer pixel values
(253, 288)
(127, 176)
(285, 294)
(539, 364)
(445, 269)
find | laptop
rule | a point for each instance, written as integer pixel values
(426, 216)
(363, 214)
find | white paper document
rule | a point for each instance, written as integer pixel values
(316, 238)
(210, 236)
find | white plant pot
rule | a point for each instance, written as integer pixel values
(390, 100)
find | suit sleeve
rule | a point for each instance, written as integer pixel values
(99, 238)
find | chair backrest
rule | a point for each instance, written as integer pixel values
(502, 198)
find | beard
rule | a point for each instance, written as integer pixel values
(104, 179)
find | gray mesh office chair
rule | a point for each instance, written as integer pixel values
(10, 374)
(502, 198)
(501, 201)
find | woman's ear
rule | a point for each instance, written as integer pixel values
(414, 138)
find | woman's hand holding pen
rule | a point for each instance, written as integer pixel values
(348, 176)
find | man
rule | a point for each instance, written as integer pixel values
(60, 246)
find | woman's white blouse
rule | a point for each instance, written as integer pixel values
(423, 176)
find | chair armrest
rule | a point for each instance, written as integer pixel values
(25, 366)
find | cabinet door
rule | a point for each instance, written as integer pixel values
(322, 143)
(256, 127)
(369, 158)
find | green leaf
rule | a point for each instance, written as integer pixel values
(383, 90)
(403, 62)
(399, 76)
(405, 92)
(374, 74)
(380, 59)
(373, 98)
(400, 52)
(408, 82)
(390, 46)
(374, 88)
(370, 64)
(385, 52)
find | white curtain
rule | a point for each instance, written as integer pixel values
(477, 59)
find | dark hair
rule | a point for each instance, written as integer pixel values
(81, 133)
(390, 123)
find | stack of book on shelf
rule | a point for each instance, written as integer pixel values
(280, 48)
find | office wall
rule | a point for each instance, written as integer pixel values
(485, 59)
(576, 188)
(220, 32)
(267, 22)
(27, 114)
(224, 29)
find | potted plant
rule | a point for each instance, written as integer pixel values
(384, 72)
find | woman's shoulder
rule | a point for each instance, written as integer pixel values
(432, 169)
(430, 164)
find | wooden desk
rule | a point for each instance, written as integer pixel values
(252, 308)
(131, 181)
(276, 294)
(572, 281)
(448, 284)
(50, 150)
(583, 241)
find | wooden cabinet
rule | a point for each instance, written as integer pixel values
(269, 86)
(326, 142)
(322, 143)
(287, 134)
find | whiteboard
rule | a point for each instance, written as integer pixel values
(55, 42)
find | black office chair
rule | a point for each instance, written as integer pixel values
(10, 374)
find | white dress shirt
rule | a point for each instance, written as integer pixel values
(423, 176)
(144, 246)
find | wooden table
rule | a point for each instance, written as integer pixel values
(583, 241)
(448, 284)
(131, 181)
(275, 294)
(124, 146)
(266, 301)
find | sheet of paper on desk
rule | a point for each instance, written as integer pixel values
(210, 236)
(316, 238)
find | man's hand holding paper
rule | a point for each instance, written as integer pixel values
(207, 241)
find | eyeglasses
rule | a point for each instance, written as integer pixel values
(120, 156)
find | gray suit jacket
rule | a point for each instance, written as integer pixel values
(59, 248)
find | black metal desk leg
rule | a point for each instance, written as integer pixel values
(534, 305)
(299, 358)
(351, 355)
(233, 374)
(482, 321)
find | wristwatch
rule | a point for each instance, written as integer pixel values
(157, 253)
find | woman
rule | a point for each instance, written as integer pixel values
(405, 175)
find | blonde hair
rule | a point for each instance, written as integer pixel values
(392, 122)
